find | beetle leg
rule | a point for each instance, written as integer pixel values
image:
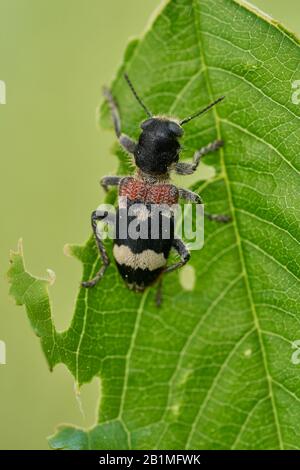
(127, 143)
(158, 295)
(96, 217)
(107, 181)
(218, 217)
(183, 168)
(194, 197)
(184, 253)
(189, 196)
(212, 147)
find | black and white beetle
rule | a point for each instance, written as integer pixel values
(144, 262)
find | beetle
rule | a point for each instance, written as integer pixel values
(143, 262)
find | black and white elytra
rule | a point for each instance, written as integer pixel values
(142, 262)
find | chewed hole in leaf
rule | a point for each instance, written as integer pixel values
(87, 396)
(187, 277)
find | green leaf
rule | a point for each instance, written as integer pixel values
(213, 367)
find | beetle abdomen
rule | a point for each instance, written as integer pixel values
(144, 233)
(141, 258)
(139, 270)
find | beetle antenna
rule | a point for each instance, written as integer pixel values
(136, 95)
(184, 121)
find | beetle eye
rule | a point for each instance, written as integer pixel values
(147, 123)
(175, 128)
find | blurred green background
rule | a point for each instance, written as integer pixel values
(54, 57)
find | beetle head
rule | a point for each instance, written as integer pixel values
(158, 146)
